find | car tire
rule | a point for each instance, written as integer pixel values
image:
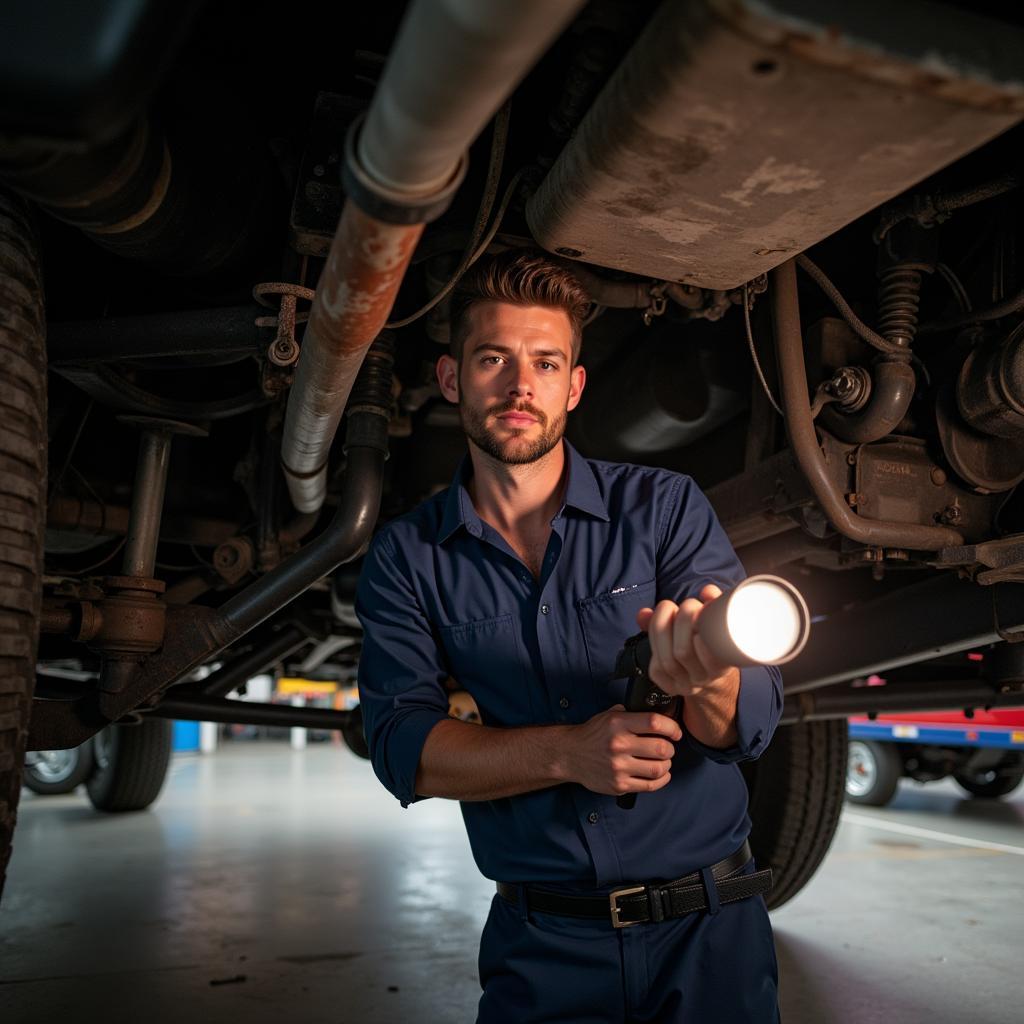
(988, 785)
(796, 794)
(354, 735)
(60, 771)
(22, 496)
(873, 773)
(131, 765)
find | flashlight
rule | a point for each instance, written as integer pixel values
(762, 621)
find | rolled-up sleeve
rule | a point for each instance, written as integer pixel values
(693, 551)
(401, 672)
(758, 710)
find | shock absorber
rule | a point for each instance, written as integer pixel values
(907, 251)
(899, 295)
(875, 408)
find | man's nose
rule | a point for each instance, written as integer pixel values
(520, 384)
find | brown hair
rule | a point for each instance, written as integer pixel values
(521, 278)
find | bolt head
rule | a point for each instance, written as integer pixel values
(226, 556)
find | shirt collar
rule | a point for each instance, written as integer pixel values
(458, 506)
(581, 493)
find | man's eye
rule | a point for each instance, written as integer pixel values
(488, 359)
(549, 366)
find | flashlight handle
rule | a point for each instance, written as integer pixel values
(641, 693)
(635, 691)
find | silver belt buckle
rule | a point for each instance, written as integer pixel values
(613, 899)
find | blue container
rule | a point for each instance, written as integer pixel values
(186, 736)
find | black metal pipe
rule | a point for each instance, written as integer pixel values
(240, 670)
(943, 615)
(228, 331)
(243, 712)
(342, 541)
(893, 698)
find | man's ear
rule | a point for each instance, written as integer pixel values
(577, 381)
(448, 378)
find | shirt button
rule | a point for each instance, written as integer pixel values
(593, 817)
(525, 578)
(544, 609)
(564, 702)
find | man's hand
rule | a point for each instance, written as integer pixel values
(681, 663)
(619, 751)
(682, 666)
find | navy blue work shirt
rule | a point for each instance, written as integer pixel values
(441, 594)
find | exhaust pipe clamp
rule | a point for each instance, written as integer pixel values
(385, 204)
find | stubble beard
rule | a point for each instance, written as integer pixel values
(512, 451)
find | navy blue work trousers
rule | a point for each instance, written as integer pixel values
(704, 968)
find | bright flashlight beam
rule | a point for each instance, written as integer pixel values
(764, 621)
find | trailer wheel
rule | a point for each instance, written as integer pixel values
(53, 772)
(873, 773)
(990, 785)
(22, 497)
(131, 765)
(796, 794)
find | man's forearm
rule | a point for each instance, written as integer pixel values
(710, 718)
(464, 761)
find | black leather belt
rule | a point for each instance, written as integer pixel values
(654, 901)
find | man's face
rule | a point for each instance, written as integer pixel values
(515, 383)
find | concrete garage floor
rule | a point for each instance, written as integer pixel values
(268, 884)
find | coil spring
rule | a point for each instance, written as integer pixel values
(372, 387)
(899, 294)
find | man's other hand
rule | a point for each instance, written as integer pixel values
(619, 751)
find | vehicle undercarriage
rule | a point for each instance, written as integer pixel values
(227, 246)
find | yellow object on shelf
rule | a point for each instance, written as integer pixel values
(289, 685)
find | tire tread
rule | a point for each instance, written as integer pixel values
(22, 497)
(796, 796)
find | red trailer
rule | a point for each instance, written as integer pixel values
(984, 752)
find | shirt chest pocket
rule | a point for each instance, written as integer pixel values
(607, 621)
(486, 659)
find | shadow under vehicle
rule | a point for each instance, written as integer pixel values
(227, 239)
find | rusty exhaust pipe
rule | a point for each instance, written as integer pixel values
(453, 65)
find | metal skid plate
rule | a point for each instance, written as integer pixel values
(737, 133)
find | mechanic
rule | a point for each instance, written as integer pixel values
(520, 582)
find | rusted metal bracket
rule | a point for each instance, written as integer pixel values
(192, 633)
(283, 352)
